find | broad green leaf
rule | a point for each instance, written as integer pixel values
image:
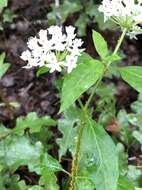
(125, 184)
(42, 70)
(99, 158)
(16, 151)
(100, 44)
(48, 167)
(79, 80)
(3, 3)
(133, 76)
(69, 132)
(3, 66)
(33, 122)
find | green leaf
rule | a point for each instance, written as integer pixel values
(135, 175)
(3, 3)
(100, 44)
(42, 70)
(4, 132)
(79, 80)
(50, 163)
(112, 58)
(8, 16)
(36, 187)
(33, 122)
(135, 119)
(123, 159)
(49, 166)
(16, 151)
(133, 76)
(66, 127)
(125, 184)
(3, 66)
(49, 179)
(84, 184)
(125, 130)
(99, 157)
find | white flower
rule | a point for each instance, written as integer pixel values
(126, 13)
(52, 63)
(75, 48)
(54, 49)
(71, 61)
(134, 32)
(70, 31)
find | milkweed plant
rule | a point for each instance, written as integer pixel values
(94, 154)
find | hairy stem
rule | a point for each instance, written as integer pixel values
(75, 162)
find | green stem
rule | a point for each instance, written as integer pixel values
(75, 162)
(120, 41)
(107, 66)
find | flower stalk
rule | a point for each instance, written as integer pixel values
(75, 162)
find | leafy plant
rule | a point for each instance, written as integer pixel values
(96, 159)
(3, 66)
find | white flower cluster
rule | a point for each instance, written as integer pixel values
(54, 49)
(126, 13)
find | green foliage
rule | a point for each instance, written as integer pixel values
(74, 84)
(3, 66)
(125, 184)
(69, 130)
(8, 16)
(105, 105)
(41, 71)
(33, 122)
(133, 76)
(100, 44)
(97, 153)
(3, 3)
(98, 162)
(17, 150)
